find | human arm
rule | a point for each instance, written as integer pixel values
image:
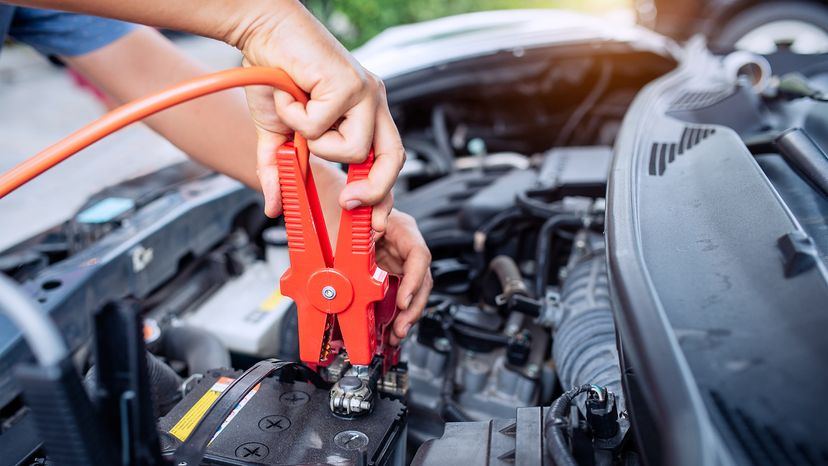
(347, 113)
(215, 130)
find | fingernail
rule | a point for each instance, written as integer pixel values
(406, 329)
(408, 300)
(352, 204)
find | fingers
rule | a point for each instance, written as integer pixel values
(260, 101)
(359, 105)
(365, 123)
(347, 112)
(416, 283)
(350, 141)
(389, 157)
(380, 213)
(352, 103)
(415, 270)
(410, 315)
(267, 170)
(328, 104)
(271, 133)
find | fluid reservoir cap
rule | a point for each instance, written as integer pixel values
(350, 382)
(152, 331)
(476, 146)
(753, 68)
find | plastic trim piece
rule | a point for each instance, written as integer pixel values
(687, 435)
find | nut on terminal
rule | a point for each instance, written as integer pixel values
(351, 397)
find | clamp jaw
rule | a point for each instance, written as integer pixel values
(344, 301)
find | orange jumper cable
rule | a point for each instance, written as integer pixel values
(139, 109)
(342, 300)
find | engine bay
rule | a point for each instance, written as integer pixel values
(610, 266)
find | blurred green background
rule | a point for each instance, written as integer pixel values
(356, 21)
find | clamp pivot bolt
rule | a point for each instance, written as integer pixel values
(329, 292)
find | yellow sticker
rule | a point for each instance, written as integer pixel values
(184, 427)
(271, 301)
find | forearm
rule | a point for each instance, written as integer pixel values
(226, 20)
(216, 130)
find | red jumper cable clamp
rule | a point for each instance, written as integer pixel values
(344, 300)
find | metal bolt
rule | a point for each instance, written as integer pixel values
(329, 292)
(350, 382)
(532, 370)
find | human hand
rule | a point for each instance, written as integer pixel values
(346, 116)
(403, 251)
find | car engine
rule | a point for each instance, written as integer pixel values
(628, 247)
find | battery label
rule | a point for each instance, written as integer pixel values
(184, 427)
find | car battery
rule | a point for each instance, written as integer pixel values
(287, 424)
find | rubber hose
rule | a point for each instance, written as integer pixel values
(554, 424)
(508, 274)
(496, 221)
(584, 348)
(471, 332)
(586, 105)
(543, 248)
(164, 384)
(199, 349)
(451, 410)
(535, 207)
(433, 154)
(441, 134)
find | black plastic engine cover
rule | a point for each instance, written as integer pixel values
(721, 298)
(496, 442)
(286, 424)
(448, 211)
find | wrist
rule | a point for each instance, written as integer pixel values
(256, 19)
